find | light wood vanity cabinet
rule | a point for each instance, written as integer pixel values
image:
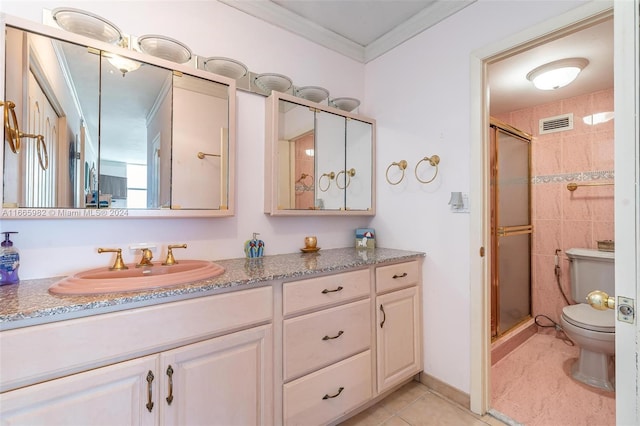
(398, 323)
(305, 352)
(326, 351)
(348, 338)
(225, 380)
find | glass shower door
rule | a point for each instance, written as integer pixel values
(511, 296)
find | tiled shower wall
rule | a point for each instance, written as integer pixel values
(563, 219)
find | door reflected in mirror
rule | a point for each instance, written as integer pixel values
(120, 133)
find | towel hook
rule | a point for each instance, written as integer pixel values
(330, 176)
(348, 174)
(434, 160)
(402, 165)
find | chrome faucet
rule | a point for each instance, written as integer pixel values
(147, 255)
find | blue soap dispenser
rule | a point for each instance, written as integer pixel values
(9, 261)
(254, 247)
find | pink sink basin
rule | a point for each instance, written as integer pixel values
(102, 280)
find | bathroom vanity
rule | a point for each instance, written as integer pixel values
(286, 339)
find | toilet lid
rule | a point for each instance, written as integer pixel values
(584, 316)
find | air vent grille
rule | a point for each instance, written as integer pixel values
(559, 123)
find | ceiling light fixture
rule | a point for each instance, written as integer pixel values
(124, 65)
(557, 74)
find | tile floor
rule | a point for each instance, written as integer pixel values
(533, 386)
(416, 405)
(530, 386)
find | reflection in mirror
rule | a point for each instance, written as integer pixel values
(330, 158)
(200, 149)
(135, 122)
(296, 151)
(120, 133)
(323, 161)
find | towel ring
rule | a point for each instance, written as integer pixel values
(13, 133)
(303, 176)
(434, 160)
(348, 174)
(44, 163)
(402, 165)
(330, 176)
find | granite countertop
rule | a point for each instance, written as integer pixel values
(30, 303)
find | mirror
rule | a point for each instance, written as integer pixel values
(319, 159)
(124, 134)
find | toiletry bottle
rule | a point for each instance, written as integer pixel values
(254, 247)
(9, 261)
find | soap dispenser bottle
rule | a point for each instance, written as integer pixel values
(254, 247)
(9, 261)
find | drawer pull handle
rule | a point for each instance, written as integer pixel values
(170, 374)
(327, 396)
(340, 333)
(404, 274)
(149, 396)
(384, 316)
(325, 291)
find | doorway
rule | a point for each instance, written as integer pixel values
(481, 59)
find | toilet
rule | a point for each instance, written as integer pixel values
(592, 330)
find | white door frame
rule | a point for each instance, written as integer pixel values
(626, 22)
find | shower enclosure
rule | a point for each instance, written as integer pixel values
(511, 227)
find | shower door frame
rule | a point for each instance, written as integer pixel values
(497, 231)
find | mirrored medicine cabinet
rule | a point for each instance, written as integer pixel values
(96, 138)
(319, 160)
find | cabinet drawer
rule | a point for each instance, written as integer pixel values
(312, 293)
(397, 276)
(318, 339)
(327, 394)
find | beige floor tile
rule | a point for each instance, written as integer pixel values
(395, 421)
(404, 396)
(431, 410)
(372, 416)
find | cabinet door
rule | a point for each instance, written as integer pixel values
(114, 395)
(222, 381)
(398, 336)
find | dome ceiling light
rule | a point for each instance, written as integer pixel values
(557, 74)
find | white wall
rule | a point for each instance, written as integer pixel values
(419, 94)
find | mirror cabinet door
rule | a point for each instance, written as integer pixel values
(200, 153)
(295, 152)
(104, 131)
(330, 160)
(359, 166)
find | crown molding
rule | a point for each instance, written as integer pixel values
(285, 19)
(279, 16)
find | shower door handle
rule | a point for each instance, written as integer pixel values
(506, 231)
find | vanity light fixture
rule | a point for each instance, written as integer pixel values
(122, 64)
(557, 74)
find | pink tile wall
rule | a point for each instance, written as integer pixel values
(304, 164)
(563, 219)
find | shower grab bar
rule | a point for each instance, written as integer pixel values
(572, 186)
(505, 231)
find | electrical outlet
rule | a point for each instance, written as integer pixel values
(465, 204)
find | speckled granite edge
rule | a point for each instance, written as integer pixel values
(21, 304)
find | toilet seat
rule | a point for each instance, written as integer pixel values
(584, 316)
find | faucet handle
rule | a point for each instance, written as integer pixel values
(118, 265)
(147, 255)
(170, 259)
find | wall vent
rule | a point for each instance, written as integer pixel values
(559, 123)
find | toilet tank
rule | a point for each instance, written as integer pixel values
(590, 270)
